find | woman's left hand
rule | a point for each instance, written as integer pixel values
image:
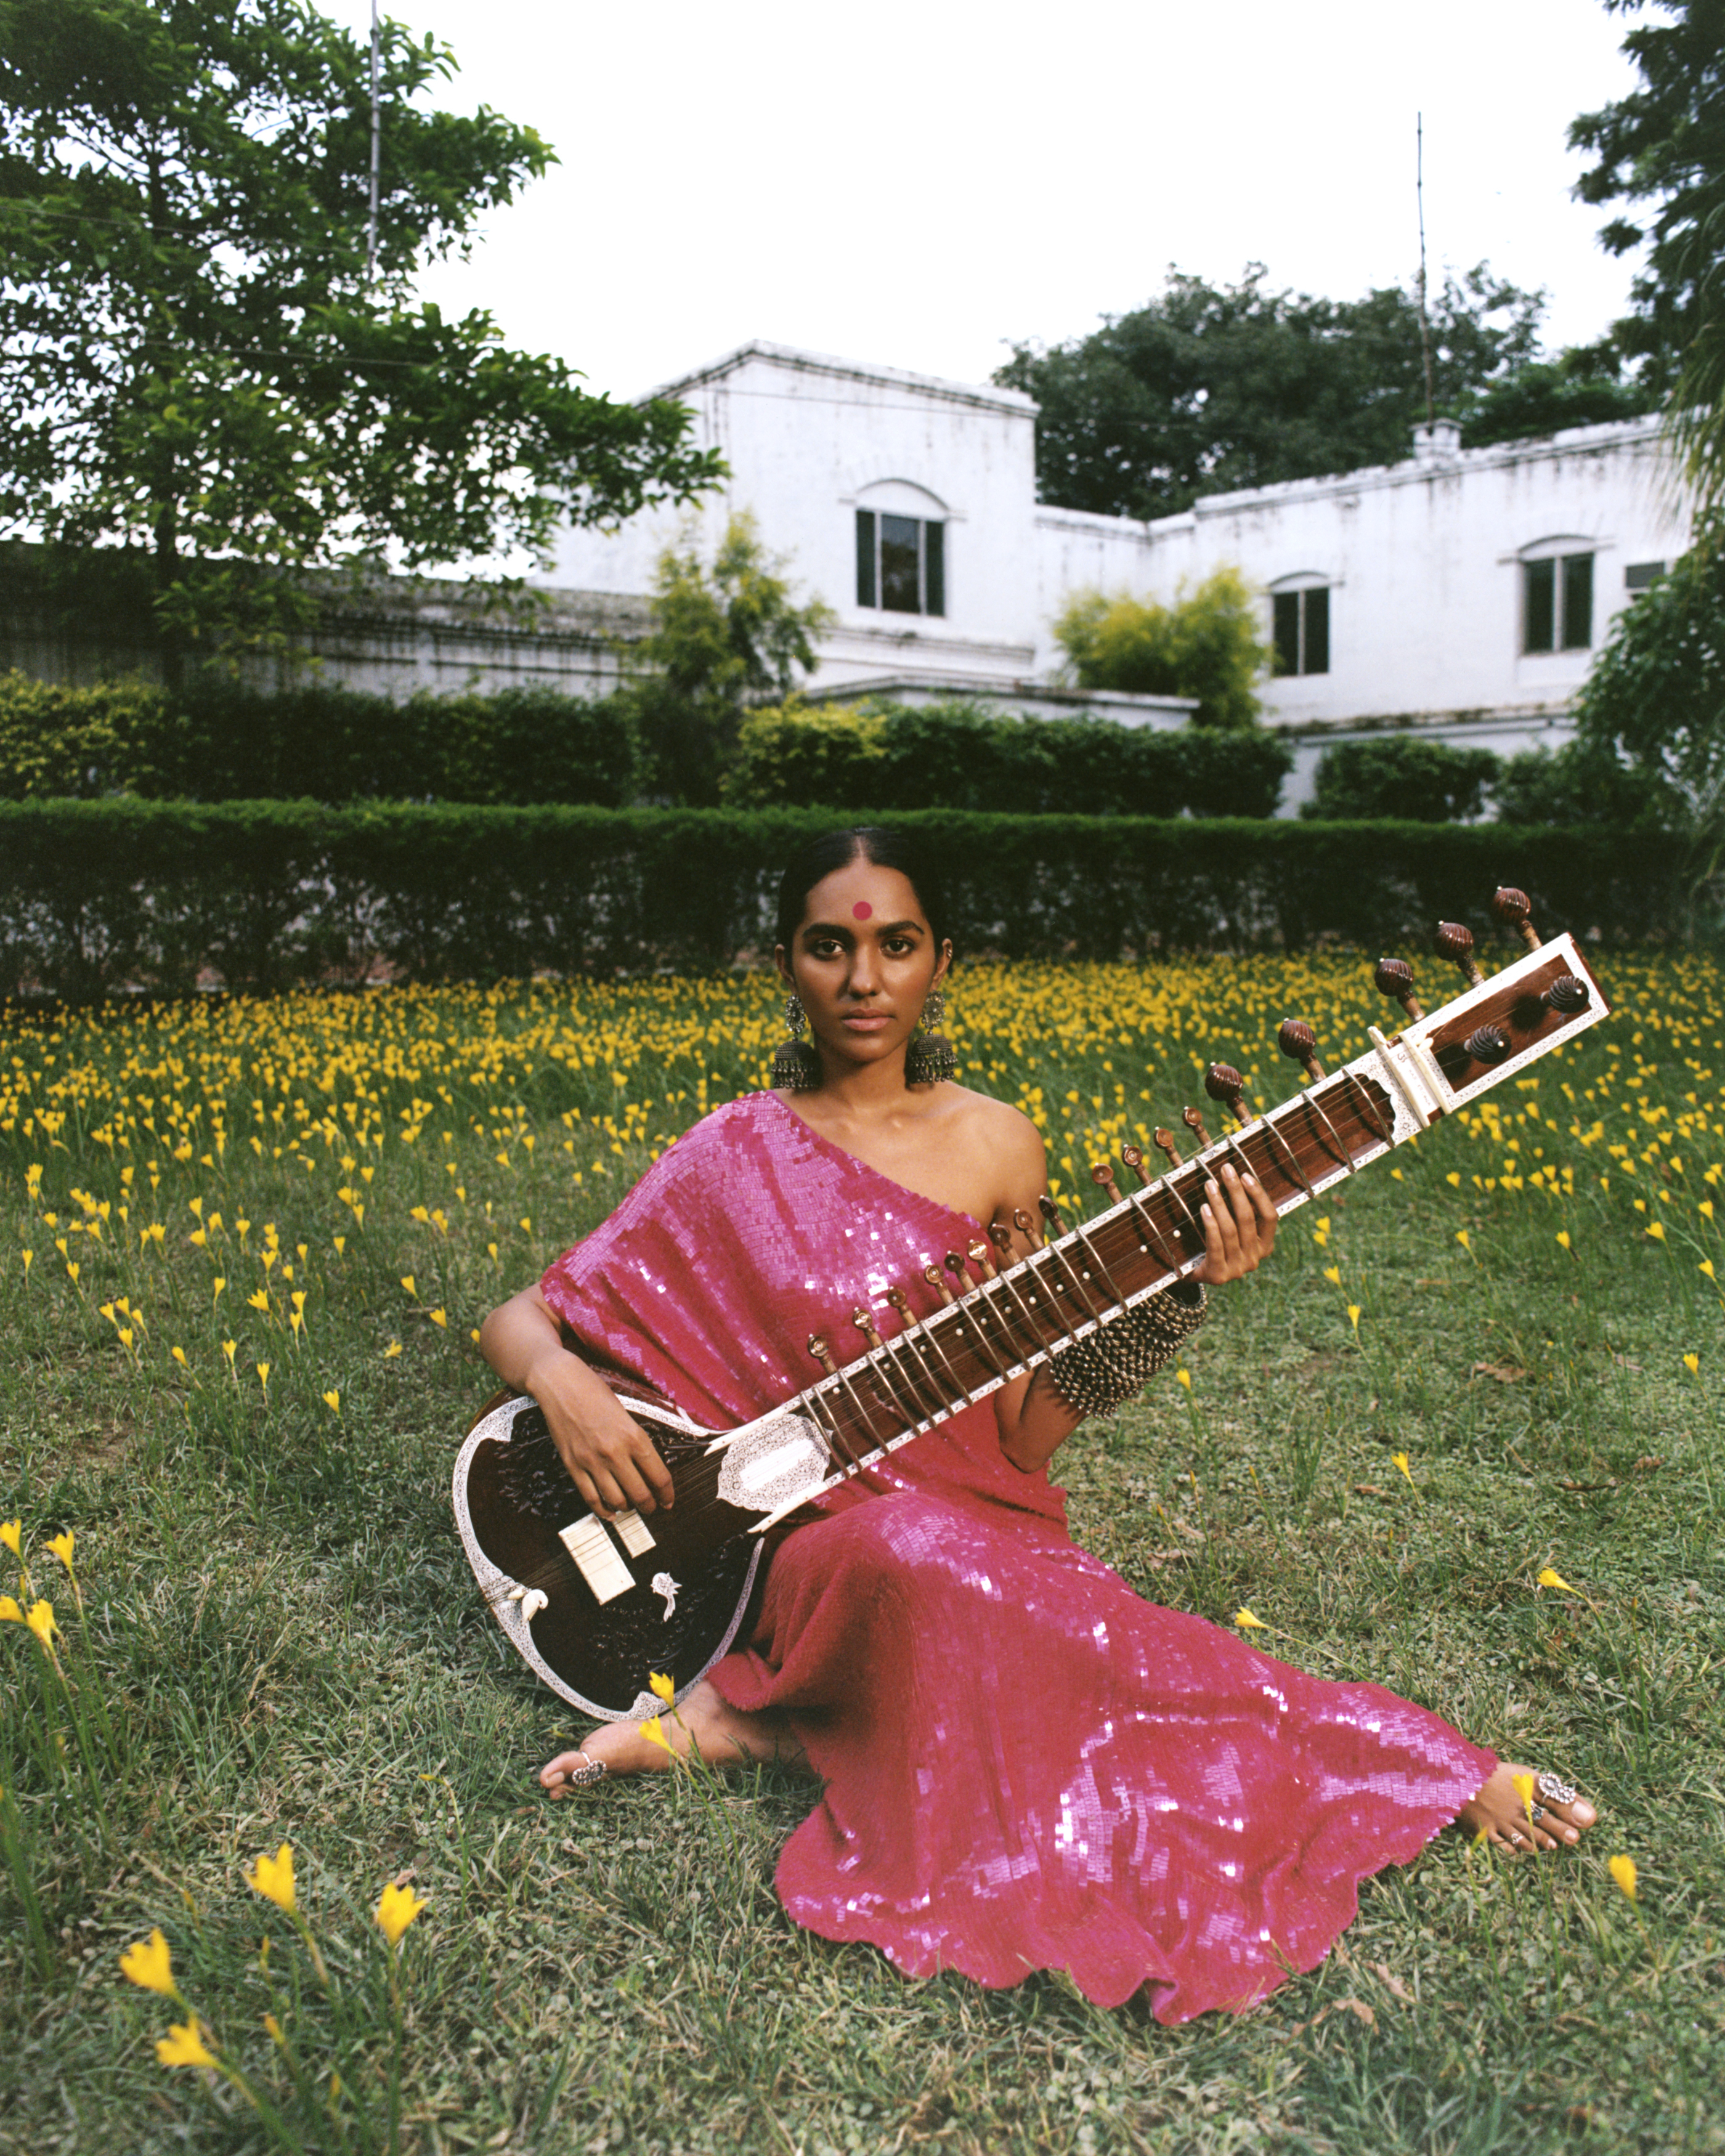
(1239, 1228)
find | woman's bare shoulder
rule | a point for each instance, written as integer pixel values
(1005, 1132)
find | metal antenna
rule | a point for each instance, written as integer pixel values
(1418, 204)
(372, 222)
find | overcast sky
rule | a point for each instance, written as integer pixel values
(922, 181)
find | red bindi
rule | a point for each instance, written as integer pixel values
(861, 911)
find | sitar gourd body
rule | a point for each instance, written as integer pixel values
(595, 1606)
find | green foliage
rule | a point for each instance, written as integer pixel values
(722, 639)
(1573, 786)
(96, 895)
(215, 741)
(1430, 782)
(1205, 644)
(1654, 702)
(1209, 387)
(196, 362)
(961, 755)
(1580, 387)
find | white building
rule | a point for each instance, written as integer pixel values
(1463, 592)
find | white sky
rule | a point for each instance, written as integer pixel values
(921, 181)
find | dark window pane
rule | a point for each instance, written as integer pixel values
(901, 585)
(1539, 590)
(1642, 576)
(1317, 631)
(1287, 632)
(1577, 602)
(934, 569)
(865, 557)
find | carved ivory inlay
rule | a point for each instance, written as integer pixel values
(773, 1463)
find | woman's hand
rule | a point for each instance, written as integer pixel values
(611, 1459)
(1239, 1228)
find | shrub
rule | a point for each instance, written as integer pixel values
(1575, 785)
(1426, 782)
(1205, 644)
(59, 740)
(96, 895)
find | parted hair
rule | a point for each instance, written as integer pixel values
(880, 844)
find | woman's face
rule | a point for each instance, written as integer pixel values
(863, 962)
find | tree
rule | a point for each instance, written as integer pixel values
(197, 364)
(1664, 147)
(1208, 387)
(722, 639)
(1205, 644)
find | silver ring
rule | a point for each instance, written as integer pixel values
(1537, 1813)
(1553, 1790)
(586, 1774)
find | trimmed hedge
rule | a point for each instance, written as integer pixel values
(100, 896)
(964, 755)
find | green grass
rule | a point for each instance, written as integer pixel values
(286, 1642)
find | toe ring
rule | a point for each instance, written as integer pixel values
(589, 1772)
(1553, 1790)
(1537, 1813)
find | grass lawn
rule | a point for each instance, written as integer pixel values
(242, 1249)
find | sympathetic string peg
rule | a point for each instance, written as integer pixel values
(817, 1348)
(1224, 1083)
(1512, 907)
(937, 1280)
(1488, 1043)
(954, 1263)
(1000, 1235)
(1051, 1213)
(901, 1303)
(1134, 1159)
(1101, 1173)
(1394, 977)
(1455, 943)
(981, 1254)
(1567, 995)
(1166, 1147)
(1298, 1042)
(1194, 1123)
(865, 1325)
(1027, 1228)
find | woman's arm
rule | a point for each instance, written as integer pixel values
(610, 1456)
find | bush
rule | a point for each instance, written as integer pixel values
(1574, 786)
(219, 742)
(1427, 782)
(98, 895)
(959, 755)
(1206, 644)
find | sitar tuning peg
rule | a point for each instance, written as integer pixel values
(1488, 1043)
(1224, 1083)
(979, 1254)
(1134, 1159)
(865, 1325)
(1455, 943)
(1298, 1042)
(1567, 995)
(1166, 1147)
(817, 1348)
(937, 1280)
(1194, 1123)
(1101, 1173)
(1051, 1213)
(1512, 907)
(1000, 1235)
(1027, 1228)
(1394, 977)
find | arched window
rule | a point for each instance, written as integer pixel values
(1558, 594)
(901, 548)
(1300, 623)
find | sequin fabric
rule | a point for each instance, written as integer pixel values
(1026, 1766)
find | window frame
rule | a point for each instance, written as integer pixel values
(871, 540)
(1306, 600)
(1559, 593)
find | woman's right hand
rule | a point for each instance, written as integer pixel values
(612, 1461)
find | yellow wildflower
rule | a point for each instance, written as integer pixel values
(1248, 1623)
(183, 2046)
(272, 1877)
(11, 1533)
(397, 1908)
(663, 1688)
(1623, 1871)
(654, 1731)
(61, 1545)
(148, 1963)
(1550, 1578)
(40, 1617)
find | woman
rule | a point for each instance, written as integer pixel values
(1025, 1765)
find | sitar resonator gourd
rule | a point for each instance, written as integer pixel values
(594, 1605)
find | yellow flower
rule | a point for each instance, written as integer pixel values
(440, 1317)
(61, 1545)
(260, 1301)
(1524, 1790)
(1454, 1177)
(273, 1878)
(272, 2029)
(10, 1614)
(1550, 1578)
(11, 1533)
(183, 2046)
(332, 1401)
(407, 1281)
(1656, 1229)
(1707, 1266)
(264, 1375)
(1248, 1623)
(1623, 1871)
(654, 1731)
(391, 1350)
(148, 1963)
(179, 1356)
(1562, 1239)
(1400, 1459)
(40, 1617)
(1461, 1238)
(1332, 1274)
(663, 1688)
(216, 1286)
(1353, 1315)
(397, 1909)
(1692, 1364)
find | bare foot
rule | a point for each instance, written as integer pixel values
(724, 1735)
(1500, 1813)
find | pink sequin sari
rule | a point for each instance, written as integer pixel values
(1026, 1766)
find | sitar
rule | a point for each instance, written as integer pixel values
(594, 1605)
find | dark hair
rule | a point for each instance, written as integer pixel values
(816, 860)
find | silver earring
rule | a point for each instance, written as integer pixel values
(795, 1067)
(930, 1057)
